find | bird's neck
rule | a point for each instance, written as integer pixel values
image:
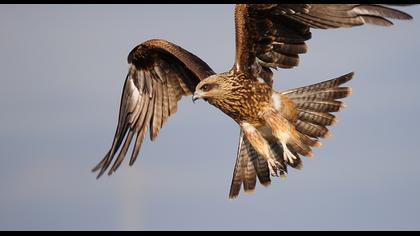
(243, 103)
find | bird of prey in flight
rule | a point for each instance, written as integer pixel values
(277, 128)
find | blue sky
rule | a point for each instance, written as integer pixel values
(62, 71)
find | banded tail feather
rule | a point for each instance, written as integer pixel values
(250, 165)
(314, 105)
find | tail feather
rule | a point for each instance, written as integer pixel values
(319, 118)
(260, 165)
(239, 170)
(250, 165)
(309, 141)
(299, 147)
(250, 179)
(323, 95)
(312, 130)
(320, 106)
(314, 104)
(333, 83)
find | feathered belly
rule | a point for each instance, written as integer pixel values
(243, 111)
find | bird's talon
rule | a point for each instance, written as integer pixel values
(273, 165)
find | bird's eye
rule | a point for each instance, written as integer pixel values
(205, 88)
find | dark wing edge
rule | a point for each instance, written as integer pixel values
(160, 73)
(271, 36)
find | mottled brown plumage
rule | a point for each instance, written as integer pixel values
(276, 127)
(242, 96)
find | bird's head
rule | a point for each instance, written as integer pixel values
(213, 87)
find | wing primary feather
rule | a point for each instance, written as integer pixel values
(140, 78)
(121, 130)
(143, 128)
(165, 105)
(173, 96)
(101, 163)
(250, 179)
(381, 11)
(156, 122)
(165, 96)
(122, 153)
(148, 79)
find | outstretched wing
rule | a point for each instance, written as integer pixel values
(160, 74)
(273, 35)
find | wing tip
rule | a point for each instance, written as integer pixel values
(96, 168)
(102, 165)
(100, 173)
(347, 77)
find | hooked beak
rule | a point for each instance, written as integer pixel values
(196, 96)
